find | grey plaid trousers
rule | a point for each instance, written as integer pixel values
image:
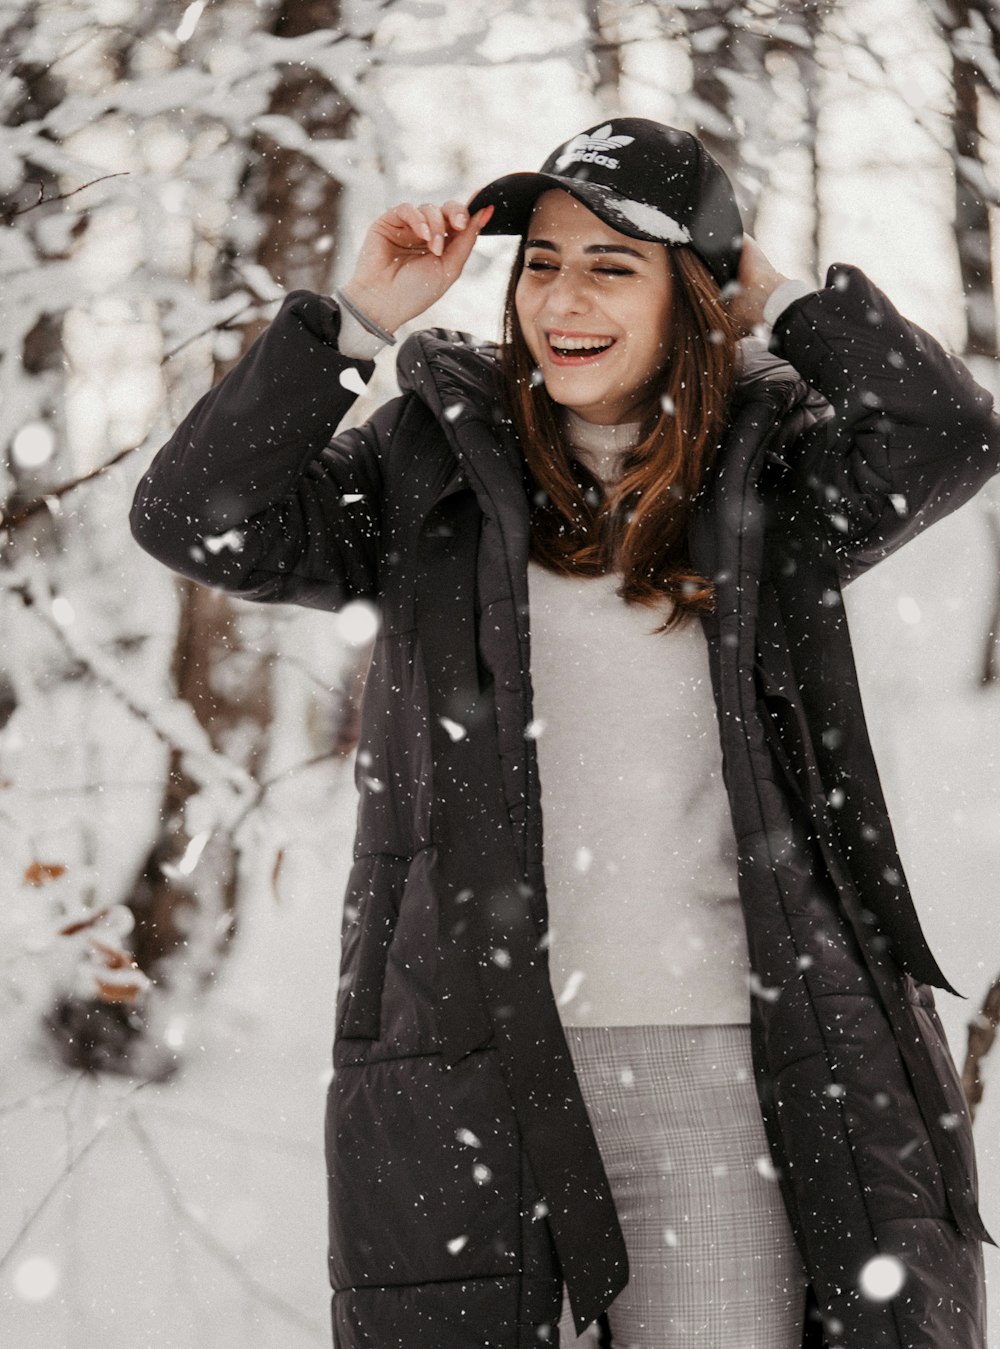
(712, 1259)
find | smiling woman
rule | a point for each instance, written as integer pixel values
(655, 349)
(634, 1023)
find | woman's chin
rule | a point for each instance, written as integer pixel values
(589, 404)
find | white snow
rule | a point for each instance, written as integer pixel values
(882, 1277)
(651, 220)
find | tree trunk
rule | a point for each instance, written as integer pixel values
(718, 46)
(735, 112)
(972, 230)
(972, 219)
(606, 52)
(298, 204)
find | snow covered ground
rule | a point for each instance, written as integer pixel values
(189, 1213)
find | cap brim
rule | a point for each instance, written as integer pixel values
(514, 197)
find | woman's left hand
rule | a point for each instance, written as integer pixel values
(756, 280)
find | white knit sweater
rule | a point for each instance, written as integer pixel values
(640, 858)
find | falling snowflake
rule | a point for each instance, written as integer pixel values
(33, 445)
(468, 1137)
(189, 21)
(909, 609)
(36, 1278)
(765, 1167)
(62, 611)
(571, 988)
(882, 1277)
(761, 990)
(357, 623)
(351, 380)
(232, 539)
(454, 728)
(175, 871)
(457, 1244)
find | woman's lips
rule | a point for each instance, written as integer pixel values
(571, 354)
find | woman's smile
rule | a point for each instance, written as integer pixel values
(577, 348)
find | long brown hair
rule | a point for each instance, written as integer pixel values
(638, 524)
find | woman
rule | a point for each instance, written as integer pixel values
(700, 1084)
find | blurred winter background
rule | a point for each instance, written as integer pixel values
(176, 802)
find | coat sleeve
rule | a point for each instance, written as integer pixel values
(913, 436)
(253, 493)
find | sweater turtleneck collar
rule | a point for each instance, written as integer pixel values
(601, 448)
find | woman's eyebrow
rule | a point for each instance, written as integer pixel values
(590, 248)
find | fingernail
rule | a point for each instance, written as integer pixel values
(425, 230)
(461, 219)
(437, 244)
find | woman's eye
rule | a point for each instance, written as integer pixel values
(540, 265)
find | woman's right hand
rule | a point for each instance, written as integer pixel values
(410, 256)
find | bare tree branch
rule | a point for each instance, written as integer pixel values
(7, 216)
(202, 1234)
(103, 673)
(262, 1137)
(13, 518)
(20, 514)
(220, 327)
(54, 1189)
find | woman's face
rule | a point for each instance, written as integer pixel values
(594, 306)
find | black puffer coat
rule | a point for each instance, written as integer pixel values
(465, 1182)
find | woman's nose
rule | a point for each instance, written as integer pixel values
(568, 295)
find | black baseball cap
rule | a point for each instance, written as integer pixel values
(642, 178)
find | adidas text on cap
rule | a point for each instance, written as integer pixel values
(642, 178)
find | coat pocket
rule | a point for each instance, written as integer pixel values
(371, 910)
(425, 1172)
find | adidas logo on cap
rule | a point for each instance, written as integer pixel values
(584, 149)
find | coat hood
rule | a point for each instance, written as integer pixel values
(457, 376)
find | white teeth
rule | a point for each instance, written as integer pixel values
(580, 343)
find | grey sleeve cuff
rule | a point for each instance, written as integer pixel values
(781, 297)
(355, 340)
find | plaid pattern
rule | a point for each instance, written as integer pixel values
(712, 1258)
